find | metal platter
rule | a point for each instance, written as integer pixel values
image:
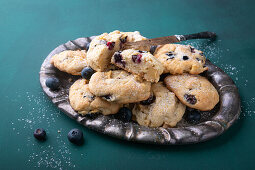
(213, 123)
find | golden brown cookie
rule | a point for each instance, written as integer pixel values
(84, 102)
(163, 109)
(70, 61)
(179, 59)
(138, 62)
(119, 86)
(193, 90)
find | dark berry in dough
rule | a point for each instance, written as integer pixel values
(191, 99)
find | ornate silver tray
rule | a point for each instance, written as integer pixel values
(211, 125)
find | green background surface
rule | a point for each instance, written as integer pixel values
(30, 29)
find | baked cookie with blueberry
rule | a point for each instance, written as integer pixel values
(179, 59)
(103, 46)
(138, 62)
(193, 90)
(119, 86)
(84, 102)
(161, 109)
(70, 61)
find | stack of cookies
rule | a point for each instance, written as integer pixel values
(155, 88)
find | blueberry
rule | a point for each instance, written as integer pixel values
(150, 100)
(87, 46)
(193, 117)
(198, 59)
(40, 134)
(190, 98)
(87, 72)
(170, 55)
(110, 45)
(185, 57)
(52, 83)
(137, 58)
(75, 136)
(118, 59)
(192, 50)
(124, 114)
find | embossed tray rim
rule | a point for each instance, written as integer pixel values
(228, 113)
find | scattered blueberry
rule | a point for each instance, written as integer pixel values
(185, 57)
(124, 114)
(193, 117)
(137, 58)
(87, 46)
(52, 83)
(150, 100)
(87, 72)
(190, 98)
(192, 49)
(40, 134)
(75, 136)
(118, 58)
(110, 45)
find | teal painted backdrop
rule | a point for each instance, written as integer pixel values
(30, 29)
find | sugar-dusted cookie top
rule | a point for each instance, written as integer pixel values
(138, 62)
(179, 59)
(103, 46)
(119, 86)
(70, 61)
(161, 109)
(84, 102)
(193, 90)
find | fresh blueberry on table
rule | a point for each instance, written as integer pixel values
(124, 114)
(40, 134)
(75, 136)
(193, 117)
(87, 72)
(52, 83)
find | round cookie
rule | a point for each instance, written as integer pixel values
(165, 110)
(84, 102)
(70, 61)
(138, 62)
(179, 59)
(193, 90)
(119, 86)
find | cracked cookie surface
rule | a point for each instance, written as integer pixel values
(119, 86)
(84, 102)
(164, 110)
(70, 61)
(138, 62)
(194, 91)
(179, 59)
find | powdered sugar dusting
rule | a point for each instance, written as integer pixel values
(34, 114)
(215, 51)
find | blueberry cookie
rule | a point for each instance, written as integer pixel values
(103, 46)
(70, 61)
(119, 86)
(179, 59)
(138, 62)
(161, 109)
(84, 102)
(193, 90)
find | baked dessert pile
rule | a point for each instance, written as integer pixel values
(151, 89)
